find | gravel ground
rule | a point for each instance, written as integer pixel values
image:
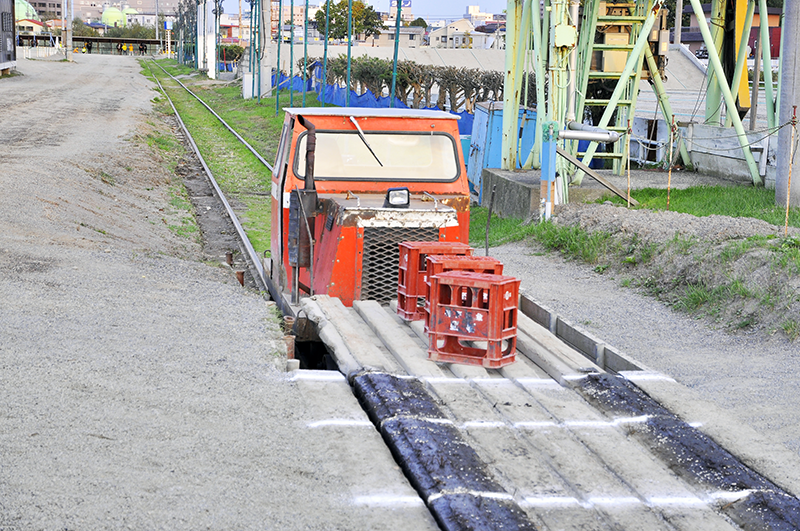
(138, 380)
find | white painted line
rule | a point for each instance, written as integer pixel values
(532, 424)
(668, 500)
(317, 376)
(731, 496)
(623, 500)
(644, 376)
(544, 382)
(581, 423)
(493, 381)
(619, 501)
(549, 501)
(482, 424)
(605, 423)
(576, 377)
(475, 493)
(387, 500)
(443, 379)
(339, 422)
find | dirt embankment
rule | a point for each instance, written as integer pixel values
(740, 274)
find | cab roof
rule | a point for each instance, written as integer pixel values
(367, 112)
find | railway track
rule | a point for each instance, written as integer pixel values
(562, 439)
(250, 254)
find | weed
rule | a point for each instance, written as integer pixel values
(601, 268)
(792, 329)
(626, 283)
(107, 178)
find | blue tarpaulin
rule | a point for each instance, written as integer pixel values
(335, 95)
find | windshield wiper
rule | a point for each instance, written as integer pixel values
(364, 139)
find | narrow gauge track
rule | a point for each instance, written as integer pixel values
(516, 449)
(249, 251)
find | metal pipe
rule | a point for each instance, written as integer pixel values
(756, 86)
(713, 59)
(579, 131)
(311, 146)
(325, 52)
(741, 58)
(767, 62)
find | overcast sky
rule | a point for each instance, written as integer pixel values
(428, 9)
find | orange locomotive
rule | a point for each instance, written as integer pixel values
(349, 185)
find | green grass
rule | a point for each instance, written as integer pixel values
(734, 201)
(239, 173)
(573, 242)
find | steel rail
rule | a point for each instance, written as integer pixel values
(250, 252)
(218, 117)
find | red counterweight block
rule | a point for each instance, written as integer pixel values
(477, 308)
(441, 264)
(411, 286)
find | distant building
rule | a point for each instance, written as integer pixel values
(477, 18)
(410, 37)
(405, 11)
(458, 34)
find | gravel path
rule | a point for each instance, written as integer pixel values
(138, 383)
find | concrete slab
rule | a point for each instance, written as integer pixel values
(372, 485)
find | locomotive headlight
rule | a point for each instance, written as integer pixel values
(397, 198)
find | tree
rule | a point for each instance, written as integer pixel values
(365, 20)
(79, 29)
(419, 22)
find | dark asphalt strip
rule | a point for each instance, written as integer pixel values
(695, 456)
(447, 473)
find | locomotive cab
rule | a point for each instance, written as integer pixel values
(349, 185)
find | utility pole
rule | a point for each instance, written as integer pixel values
(68, 44)
(790, 83)
(158, 22)
(678, 21)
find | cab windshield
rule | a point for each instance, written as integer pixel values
(414, 156)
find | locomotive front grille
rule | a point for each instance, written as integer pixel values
(381, 258)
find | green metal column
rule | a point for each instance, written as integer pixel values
(325, 52)
(396, 49)
(305, 55)
(349, 48)
(767, 62)
(291, 57)
(741, 58)
(278, 70)
(516, 44)
(713, 95)
(663, 101)
(713, 59)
